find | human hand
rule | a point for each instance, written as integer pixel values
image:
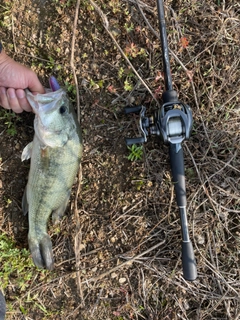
(14, 79)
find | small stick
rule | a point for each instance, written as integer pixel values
(77, 242)
(72, 58)
(13, 34)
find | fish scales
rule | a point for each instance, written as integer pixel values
(50, 178)
(55, 154)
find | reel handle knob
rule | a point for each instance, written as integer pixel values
(130, 141)
(136, 109)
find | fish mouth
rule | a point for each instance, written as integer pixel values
(48, 101)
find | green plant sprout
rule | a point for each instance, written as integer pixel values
(136, 152)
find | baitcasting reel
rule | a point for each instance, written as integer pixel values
(173, 123)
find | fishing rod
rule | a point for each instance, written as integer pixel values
(173, 123)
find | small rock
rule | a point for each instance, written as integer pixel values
(200, 239)
(113, 239)
(82, 246)
(17, 146)
(122, 280)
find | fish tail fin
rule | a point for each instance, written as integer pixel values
(41, 251)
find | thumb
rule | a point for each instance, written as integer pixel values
(34, 85)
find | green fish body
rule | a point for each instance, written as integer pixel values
(55, 154)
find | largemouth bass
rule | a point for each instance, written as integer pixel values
(55, 154)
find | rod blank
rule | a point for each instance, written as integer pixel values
(164, 44)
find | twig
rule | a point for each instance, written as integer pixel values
(125, 213)
(78, 228)
(97, 302)
(232, 97)
(106, 26)
(72, 58)
(170, 202)
(77, 242)
(142, 4)
(124, 263)
(35, 57)
(13, 34)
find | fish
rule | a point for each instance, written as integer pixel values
(55, 152)
(2, 306)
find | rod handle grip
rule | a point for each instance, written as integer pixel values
(188, 261)
(178, 174)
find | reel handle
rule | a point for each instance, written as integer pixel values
(136, 109)
(143, 124)
(130, 141)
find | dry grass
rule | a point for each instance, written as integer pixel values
(118, 255)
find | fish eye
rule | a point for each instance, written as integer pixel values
(62, 109)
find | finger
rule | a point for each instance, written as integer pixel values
(3, 98)
(22, 100)
(34, 85)
(13, 100)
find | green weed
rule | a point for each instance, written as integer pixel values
(129, 27)
(138, 184)
(9, 118)
(15, 263)
(71, 88)
(65, 4)
(132, 51)
(115, 5)
(128, 85)
(136, 152)
(6, 18)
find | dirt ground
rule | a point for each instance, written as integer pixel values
(118, 248)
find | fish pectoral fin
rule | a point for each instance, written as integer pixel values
(41, 250)
(25, 203)
(27, 152)
(59, 212)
